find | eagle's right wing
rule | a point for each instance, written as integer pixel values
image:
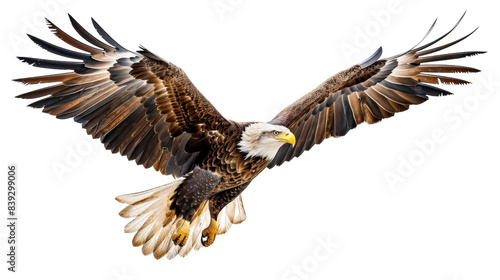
(368, 92)
(137, 103)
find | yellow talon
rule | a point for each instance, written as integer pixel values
(181, 236)
(208, 234)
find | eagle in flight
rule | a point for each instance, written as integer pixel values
(146, 108)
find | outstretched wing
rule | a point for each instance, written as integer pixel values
(137, 103)
(368, 92)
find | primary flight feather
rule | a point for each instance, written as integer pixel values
(148, 110)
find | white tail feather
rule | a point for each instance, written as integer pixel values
(240, 215)
(233, 213)
(154, 222)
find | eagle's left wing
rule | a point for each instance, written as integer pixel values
(138, 104)
(368, 92)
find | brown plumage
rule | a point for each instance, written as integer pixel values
(147, 109)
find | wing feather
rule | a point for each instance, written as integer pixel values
(373, 90)
(138, 104)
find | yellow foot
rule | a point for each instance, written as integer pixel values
(208, 234)
(181, 236)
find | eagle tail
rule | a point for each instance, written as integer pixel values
(154, 223)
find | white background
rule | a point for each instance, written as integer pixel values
(441, 222)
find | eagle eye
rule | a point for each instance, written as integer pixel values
(276, 133)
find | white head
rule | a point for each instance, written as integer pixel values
(264, 140)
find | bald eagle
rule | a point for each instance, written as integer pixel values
(147, 109)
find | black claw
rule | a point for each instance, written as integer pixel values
(204, 238)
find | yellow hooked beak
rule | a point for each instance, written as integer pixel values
(287, 137)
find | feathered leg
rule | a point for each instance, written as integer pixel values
(194, 190)
(221, 221)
